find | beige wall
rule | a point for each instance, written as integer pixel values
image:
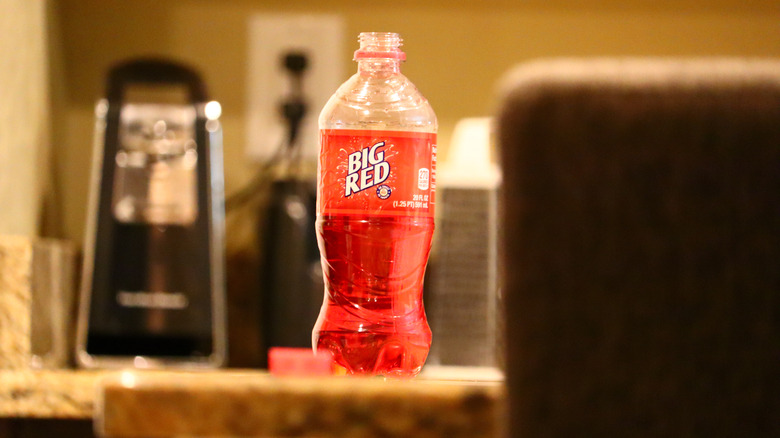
(457, 50)
(24, 114)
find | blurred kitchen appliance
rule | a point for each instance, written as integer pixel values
(291, 273)
(152, 286)
(462, 289)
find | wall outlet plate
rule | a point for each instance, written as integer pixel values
(271, 37)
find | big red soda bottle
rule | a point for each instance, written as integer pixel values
(375, 199)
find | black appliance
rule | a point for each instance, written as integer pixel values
(153, 286)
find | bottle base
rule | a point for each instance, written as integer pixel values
(377, 354)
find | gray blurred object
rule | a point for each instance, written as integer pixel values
(461, 289)
(642, 219)
(53, 320)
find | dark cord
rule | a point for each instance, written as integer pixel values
(288, 152)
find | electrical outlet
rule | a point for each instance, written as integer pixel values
(271, 37)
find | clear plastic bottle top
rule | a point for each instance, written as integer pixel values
(380, 45)
(378, 96)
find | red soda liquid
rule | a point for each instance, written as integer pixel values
(373, 320)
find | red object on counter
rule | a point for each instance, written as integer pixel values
(299, 362)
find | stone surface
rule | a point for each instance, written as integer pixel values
(48, 394)
(37, 291)
(15, 300)
(254, 404)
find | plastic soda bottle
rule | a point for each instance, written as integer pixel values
(375, 202)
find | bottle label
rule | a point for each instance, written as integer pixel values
(380, 173)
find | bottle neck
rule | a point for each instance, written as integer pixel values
(378, 66)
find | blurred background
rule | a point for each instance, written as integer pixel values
(457, 51)
(54, 58)
(55, 55)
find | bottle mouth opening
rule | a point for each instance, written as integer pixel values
(380, 45)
